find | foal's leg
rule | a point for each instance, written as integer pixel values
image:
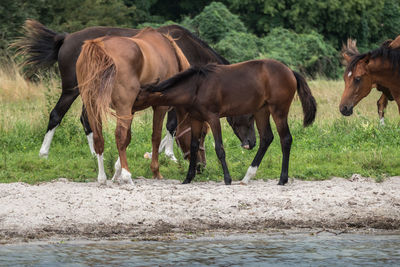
(382, 104)
(194, 147)
(67, 97)
(158, 118)
(219, 148)
(266, 138)
(280, 117)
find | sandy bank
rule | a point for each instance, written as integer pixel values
(151, 207)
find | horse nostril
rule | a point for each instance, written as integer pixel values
(346, 111)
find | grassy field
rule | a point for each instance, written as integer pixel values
(333, 146)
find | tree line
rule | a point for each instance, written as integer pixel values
(305, 34)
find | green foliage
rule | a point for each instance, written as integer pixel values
(215, 22)
(239, 46)
(366, 20)
(308, 53)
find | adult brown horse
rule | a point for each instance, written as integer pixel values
(258, 87)
(110, 71)
(44, 47)
(350, 50)
(380, 66)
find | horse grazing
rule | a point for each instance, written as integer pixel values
(43, 47)
(258, 87)
(350, 50)
(377, 67)
(110, 71)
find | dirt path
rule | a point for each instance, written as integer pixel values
(150, 207)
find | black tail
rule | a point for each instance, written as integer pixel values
(39, 45)
(307, 100)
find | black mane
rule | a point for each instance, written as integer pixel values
(220, 58)
(180, 77)
(384, 52)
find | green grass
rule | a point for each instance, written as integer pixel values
(332, 146)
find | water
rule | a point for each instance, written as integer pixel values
(238, 250)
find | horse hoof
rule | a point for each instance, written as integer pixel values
(228, 182)
(186, 182)
(102, 180)
(282, 182)
(243, 183)
(125, 177)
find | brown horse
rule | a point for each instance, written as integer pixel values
(258, 87)
(43, 47)
(110, 71)
(380, 66)
(350, 50)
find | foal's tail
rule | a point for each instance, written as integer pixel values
(39, 45)
(95, 71)
(307, 100)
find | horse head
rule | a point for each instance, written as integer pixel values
(358, 83)
(243, 127)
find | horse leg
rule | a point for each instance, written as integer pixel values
(167, 143)
(219, 147)
(382, 104)
(98, 142)
(194, 147)
(266, 138)
(202, 162)
(158, 118)
(280, 118)
(172, 123)
(57, 114)
(88, 129)
(123, 138)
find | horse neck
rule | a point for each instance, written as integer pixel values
(382, 73)
(181, 94)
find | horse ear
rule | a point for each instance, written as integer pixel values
(396, 43)
(346, 57)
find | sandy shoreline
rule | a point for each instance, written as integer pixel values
(63, 209)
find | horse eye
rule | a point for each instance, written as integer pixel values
(357, 79)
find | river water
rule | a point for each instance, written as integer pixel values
(323, 249)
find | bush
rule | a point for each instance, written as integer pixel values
(215, 22)
(239, 46)
(307, 53)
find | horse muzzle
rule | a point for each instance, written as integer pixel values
(346, 110)
(248, 145)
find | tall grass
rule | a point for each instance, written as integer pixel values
(333, 146)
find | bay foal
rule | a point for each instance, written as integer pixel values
(259, 87)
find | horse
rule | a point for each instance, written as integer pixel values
(379, 66)
(259, 87)
(110, 71)
(351, 50)
(43, 47)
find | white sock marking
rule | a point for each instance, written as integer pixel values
(169, 146)
(90, 142)
(44, 150)
(251, 172)
(382, 121)
(125, 177)
(118, 170)
(162, 145)
(101, 177)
